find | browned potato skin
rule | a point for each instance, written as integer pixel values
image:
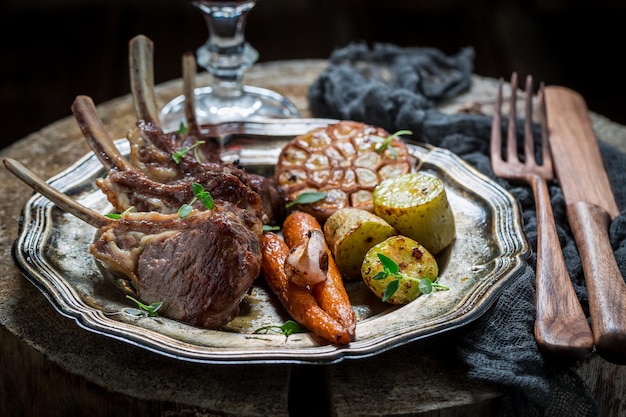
(416, 205)
(413, 260)
(350, 233)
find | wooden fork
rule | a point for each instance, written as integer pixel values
(560, 323)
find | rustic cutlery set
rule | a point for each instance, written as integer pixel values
(568, 142)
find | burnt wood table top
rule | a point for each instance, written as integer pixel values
(49, 365)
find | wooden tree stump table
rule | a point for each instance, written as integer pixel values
(51, 366)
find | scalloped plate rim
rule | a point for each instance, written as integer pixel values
(67, 303)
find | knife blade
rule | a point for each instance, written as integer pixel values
(591, 207)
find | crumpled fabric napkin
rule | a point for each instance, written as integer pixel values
(398, 88)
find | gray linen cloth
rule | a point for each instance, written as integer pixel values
(397, 88)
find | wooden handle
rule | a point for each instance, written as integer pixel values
(605, 284)
(577, 159)
(561, 326)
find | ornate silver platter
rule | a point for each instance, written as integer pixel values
(488, 253)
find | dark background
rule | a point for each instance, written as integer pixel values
(52, 51)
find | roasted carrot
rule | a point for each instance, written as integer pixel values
(330, 294)
(298, 301)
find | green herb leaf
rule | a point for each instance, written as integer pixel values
(425, 286)
(145, 310)
(392, 270)
(385, 143)
(388, 264)
(268, 228)
(207, 200)
(391, 289)
(197, 189)
(202, 195)
(381, 275)
(308, 198)
(182, 129)
(180, 154)
(199, 194)
(184, 210)
(287, 328)
(117, 216)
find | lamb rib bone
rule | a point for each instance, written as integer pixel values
(200, 267)
(141, 66)
(63, 201)
(141, 69)
(189, 87)
(127, 187)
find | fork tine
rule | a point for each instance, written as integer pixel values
(511, 138)
(529, 137)
(496, 129)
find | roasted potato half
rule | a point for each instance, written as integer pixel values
(410, 264)
(417, 206)
(350, 233)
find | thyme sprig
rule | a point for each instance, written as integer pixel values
(287, 328)
(144, 309)
(199, 194)
(385, 143)
(392, 270)
(180, 154)
(117, 216)
(270, 228)
(308, 198)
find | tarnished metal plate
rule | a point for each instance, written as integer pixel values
(488, 253)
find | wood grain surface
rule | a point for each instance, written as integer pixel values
(590, 208)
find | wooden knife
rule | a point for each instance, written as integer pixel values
(591, 207)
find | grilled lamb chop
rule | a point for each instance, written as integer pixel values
(152, 149)
(127, 187)
(200, 267)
